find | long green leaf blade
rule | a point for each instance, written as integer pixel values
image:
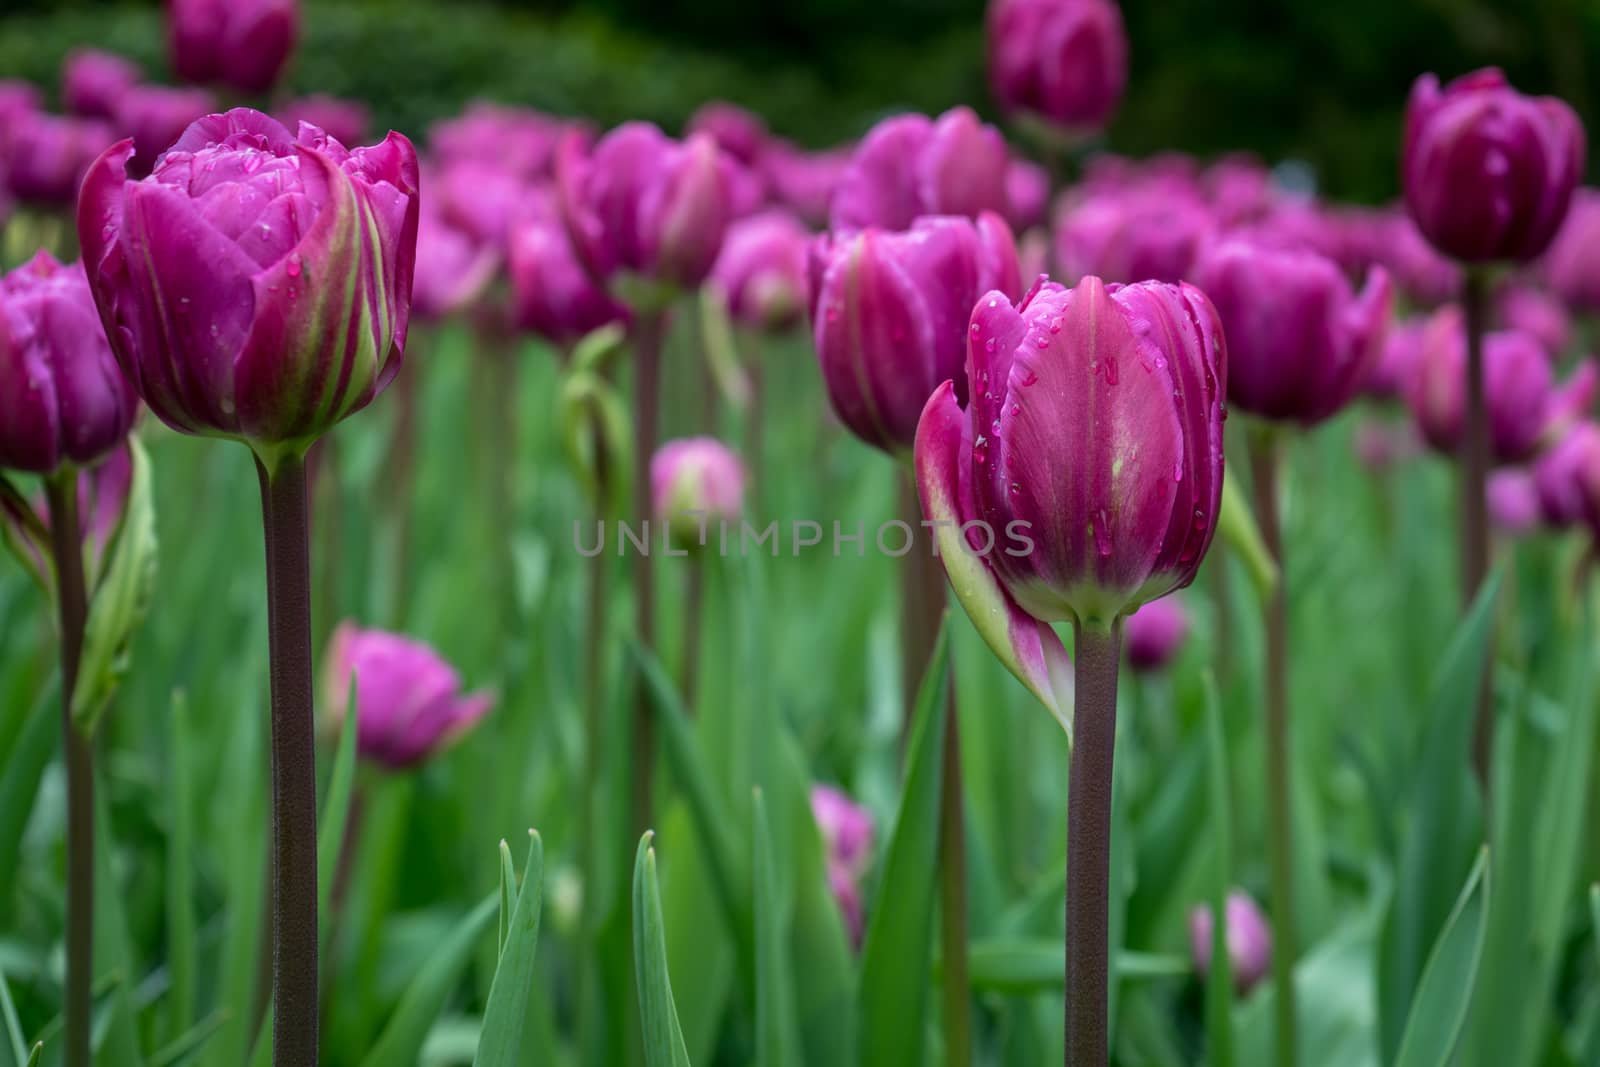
(1439, 1009)
(501, 1042)
(663, 1037)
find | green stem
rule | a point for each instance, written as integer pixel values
(1097, 652)
(78, 748)
(294, 752)
(694, 611)
(1280, 818)
(648, 328)
(1474, 460)
(402, 479)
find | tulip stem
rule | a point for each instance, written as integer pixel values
(294, 753)
(402, 485)
(648, 327)
(78, 748)
(1280, 819)
(1474, 501)
(1097, 652)
(694, 610)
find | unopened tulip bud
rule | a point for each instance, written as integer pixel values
(847, 831)
(1517, 388)
(1028, 191)
(909, 166)
(1402, 351)
(1153, 635)
(518, 140)
(1248, 938)
(1488, 172)
(804, 182)
(93, 82)
(243, 44)
(761, 272)
(1064, 61)
(409, 705)
(695, 484)
(1513, 501)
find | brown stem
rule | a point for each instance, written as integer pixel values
(1089, 791)
(1280, 818)
(648, 327)
(78, 750)
(294, 754)
(1474, 502)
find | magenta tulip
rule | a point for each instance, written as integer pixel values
(155, 116)
(103, 492)
(847, 831)
(519, 140)
(1572, 265)
(1028, 193)
(1155, 633)
(255, 286)
(1567, 478)
(1148, 234)
(1536, 313)
(1300, 341)
(1248, 939)
(1064, 61)
(93, 82)
(409, 705)
(1402, 351)
(1488, 173)
(909, 166)
(1517, 388)
(453, 268)
(739, 132)
(551, 294)
(243, 44)
(346, 121)
(889, 312)
(48, 155)
(695, 483)
(804, 182)
(761, 272)
(63, 398)
(1514, 501)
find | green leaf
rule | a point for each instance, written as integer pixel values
(15, 1046)
(1237, 526)
(336, 811)
(402, 1040)
(1029, 965)
(508, 896)
(181, 937)
(26, 535)
(716, 329)
(119, 600)
(33, 1057)
(662, 1036)
(777, 1043)
(1594, 917)
(190, 1042)
(19, 783)
(899, 944)
(1219, 978)
(114, 961)
(501, 1042)
(1439, 1008)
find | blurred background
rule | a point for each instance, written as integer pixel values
(1306, 79)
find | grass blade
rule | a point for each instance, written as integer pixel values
(777, 1043)
(500, 1045)
(1219, 978)
(1439, 1008)
(663, 1037)
(16, 1046)
(181, 936)
(19, 783)
(336, 810)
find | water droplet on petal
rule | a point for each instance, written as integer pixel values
(1102, 533)
(994, 427)
(294, 266)
(1027, 378)
(989, 345)
(1111, 371)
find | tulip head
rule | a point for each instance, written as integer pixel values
(1536, 313)
(48, 155)
(847, 831)
(93, 82)
(346, 121)
(889, 314)
(1513, 501)
(409, 704)
(738, 131)
(1028, 192)
(551, 294)
(1063, 61)
(453, 268)
(255, 286)
(155, 116)
(1300, 341)
(909, 166)
(1402, 351)
(1572, 265)
(1567, 478)
(1488, 173)
(804, 182)
(515, 139)
(761, 272)
(243, 44)
(63, 399)
(1517, 388)
(1148, 234)
(696, 482)
(1153, 635)
(1249, 940)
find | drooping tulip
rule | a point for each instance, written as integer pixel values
(1148, 234)
(453, 268)
(889, 313)
(409, 705)
(63, 399)
(1517, 388)
(695, 483)
(909, 166)
(155, 116)
(847, 831)
(1513, 501)
(1567, 478)
(1488, 172)
(93, 82)
(255, 286)
(346, 121)
(1300, 341)
(1572, 265)
(1248, 938)
(761, 272)
(1155, 633)
(641, 203)
(1064, 61)
(551, 294)
(243, 44)
(46, 156)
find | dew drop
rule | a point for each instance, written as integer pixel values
(1016, 409)
(1102, 533)
(1199, 519)
(1027, 378)
(994, 427)
(1177, 471)
(1042, 342)
(1016, 488)
(1111, 371)
(989, 345)
(974, 328)
(294, 266)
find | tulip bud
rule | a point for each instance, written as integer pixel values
(739, 132)
(1535, 313)
(1567, 478)
(695, 483)
(1300, 342)
(1153, 635)
(1028, 193)
(1065, 61)
(1239, 189)
(1402, 351)
(644, 204)
(1517, 388)
(1144, 235)
(46, 156)
(890, 311)
(847, 831)
(62, 397)
(243, 44)
(551, 294)
(1488, 172)
(761, 272)
(93, 82)
(1513, 501)
(483, 200)
(346, 121)
(453, 269)
(1572, 265)
(1248, 938)
(804, 182)
(1084, 476)
(155, 116)
(254, 286)
(518, 140)
(408, 701)
(909, 166)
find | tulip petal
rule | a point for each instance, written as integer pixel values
(1027, 647)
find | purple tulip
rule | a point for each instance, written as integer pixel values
(1089, 455)
(18, 98)
(1513, 501)
(1153, 635)
(847, 831)
(1572, 265)
(804, 182)
(62, 397)
(1239, 189)
(1517, 388)
(1570, 402)
(551, 294)
(1248, 938)
(48, 155)
(1422, 273)
(1300, 341)
(739, 132)
(1148, 234)
(1488, 172)
(519, 140)
(761, 272)
(93, 82)
(1534, 312)
(696, 482)
(346, 121)
(1567, 478)
(889, 312)
(408, 701)
(155, 116)
(453, 268)
(1402, 351)
(1028, 193)
(255, 286)
(642, 203)
(909, 166)
(482, 199)
(1065, 61)
(243, 44)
